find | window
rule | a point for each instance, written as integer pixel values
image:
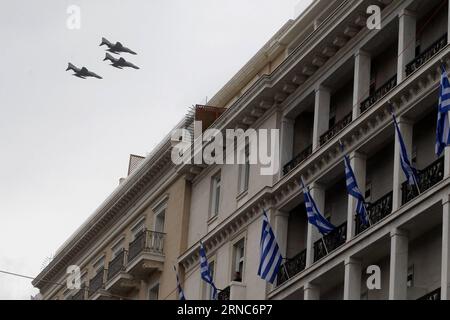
(207, 290)
(153, 292)
(138, 228)
(117, 248)
(99, 266)
(215, 195)
(244, 171)
(160, 219)
(238, 260)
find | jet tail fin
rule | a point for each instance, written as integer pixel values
(109, 57)
(105, 42)
(70, 66)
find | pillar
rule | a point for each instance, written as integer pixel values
(406, 42)
(398, 265)
(281, 222)
(445, 269)
(358, 163)
(311, 292)
(321, 114)
(361, 85)
(318, 194)
(287, 141)
(352, 279)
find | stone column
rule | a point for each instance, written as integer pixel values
(406, 42)
(398, 265)
(281, 222)
(445, 269)
(352, 279)
(406, 127)
(361, 85)
(318, 194)
(311, 292)
(321, 114)
(358, 163)
(447, 162)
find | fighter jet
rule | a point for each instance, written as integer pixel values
(115, 48)
(82, 73)
(119, 63)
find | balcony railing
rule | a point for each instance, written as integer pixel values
(302, 156)
(146, 241)
(432, 296)
(379, 94)
(376, 211)
(428, 178)
(117, 264)
(426, 55)
(291, 268)
(96, 282)
(81, 294)
(333, 240)
(338, 127)
(224, 295)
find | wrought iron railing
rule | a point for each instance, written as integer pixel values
(302, 156)
(428, 178)
(376, 211)
(426, 55)
(338, 127)
(432, 296)
(224, 294)
(292, 267)
(333, 240)
(146, 241)
(97, 282)
(379, 94)
(117, 264)
(81, 294)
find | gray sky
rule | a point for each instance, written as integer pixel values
(65, 141)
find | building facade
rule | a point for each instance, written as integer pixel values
(336, 82)
(324, 78)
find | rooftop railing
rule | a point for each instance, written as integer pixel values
(292, 267)
(379, 94)
(338, 127)
(426, 55)
(146, 241)
(333, 240)
(302, 156)
(376, 211)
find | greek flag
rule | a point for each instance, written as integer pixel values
(443, 127)
(270, 253)
(206, 272)
(180, 289)
(408, 169)
(353, 190)
(314, 216)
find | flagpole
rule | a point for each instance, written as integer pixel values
(325, 246)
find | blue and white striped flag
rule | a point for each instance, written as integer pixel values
(353, 190)
(443, 127)
(181, 295)
(206, 272)
(270, 259)
(408, 169)
(314, 216)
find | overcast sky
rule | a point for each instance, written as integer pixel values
(65, 141)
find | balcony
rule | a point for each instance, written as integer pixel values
(432, 296)
(146, 254)
(81, 294)
(291, 268)
(427, 55)
(341, 125)
(379, 94)
(333, 240)
(376, 211)
(224, 295)
(97, 283)
(428, 178)
(302, 156)
(118, 281)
